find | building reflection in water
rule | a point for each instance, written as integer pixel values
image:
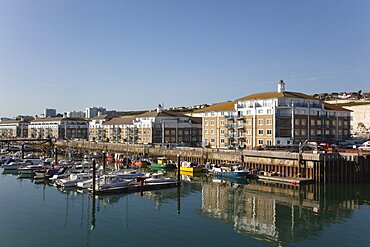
(280, 213)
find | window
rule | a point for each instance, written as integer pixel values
(222, 131)
(260, 142)
(260, 111)
(222, 122)
(206, 123)
(269, 142)
(318, 132)
(269, 121)
(212, 139)
(269, 132)
(303, 122)
(297, 122)
(303, 132)
(206, 132)
(296, 132)
(248, 122)
(278, 142)
(260, 121)
(260, 132)
(222, 140)
(212, 122)
(249, 112)
(326, 132)
(212, 132)
(206, 141)
(269, 111)
(312, 132)
(249, 132)
(248, 141)
(313, 123)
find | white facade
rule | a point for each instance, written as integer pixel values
(94, 111)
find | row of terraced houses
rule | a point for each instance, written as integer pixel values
(279, 118)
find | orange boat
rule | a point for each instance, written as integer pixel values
(141, 163)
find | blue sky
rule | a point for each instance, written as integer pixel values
(134, 54)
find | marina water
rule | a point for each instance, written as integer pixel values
(203, 212)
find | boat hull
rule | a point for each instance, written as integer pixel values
(191, 169)
(162, 166)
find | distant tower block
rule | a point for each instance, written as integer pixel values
(281, 86)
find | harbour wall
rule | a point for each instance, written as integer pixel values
(321, 167)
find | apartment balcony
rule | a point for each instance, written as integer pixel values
(231, 126)
(239, 117)
(230, 117)
(240, 126)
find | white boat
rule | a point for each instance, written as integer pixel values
(112, 181)
(29, 169)
(14, 165)
(85, 184)
(73, 179)
(130, 174)
(157, 178)
(64, 173)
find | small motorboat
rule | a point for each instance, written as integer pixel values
(157, 178)
(73, 179)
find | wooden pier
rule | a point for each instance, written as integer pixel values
(285, 180)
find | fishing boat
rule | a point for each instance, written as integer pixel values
(190, 167)
(158, 178)
(163, 163)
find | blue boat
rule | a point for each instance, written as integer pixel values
(238, 172)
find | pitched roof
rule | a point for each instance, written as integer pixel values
(120, 120)
(271, 95)
(49, 119)
(223, 106)
(13, 121)
(161, 114)
(105, 116)
(335, 107)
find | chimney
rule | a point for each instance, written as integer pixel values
(281, 86)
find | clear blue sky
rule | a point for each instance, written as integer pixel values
(134, 54)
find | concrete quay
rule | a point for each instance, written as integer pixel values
(321, 167)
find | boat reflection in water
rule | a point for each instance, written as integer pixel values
(281, 214)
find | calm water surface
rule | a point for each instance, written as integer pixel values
(204, 212)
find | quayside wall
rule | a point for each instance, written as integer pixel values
(321, 167)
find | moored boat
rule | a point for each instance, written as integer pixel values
(163, 163)
(73, 179)
(14, 165)
(237, 172)
(190, 167)
(140, 163)
(157, 178)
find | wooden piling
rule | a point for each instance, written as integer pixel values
(94, 175)
(178, 170)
